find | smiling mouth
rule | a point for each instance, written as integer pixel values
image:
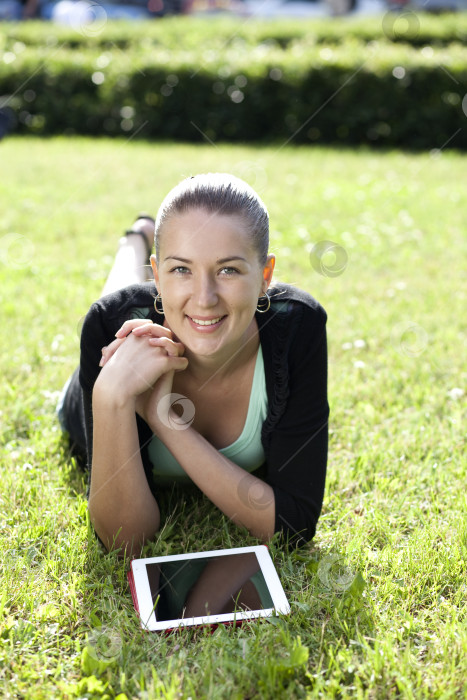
(210, 322)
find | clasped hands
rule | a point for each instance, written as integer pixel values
(139, 366)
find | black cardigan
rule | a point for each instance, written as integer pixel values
(295, 432)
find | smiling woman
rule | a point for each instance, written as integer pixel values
(210, 276)
(211, 377)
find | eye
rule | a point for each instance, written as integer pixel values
(229, 271)
(180, 270)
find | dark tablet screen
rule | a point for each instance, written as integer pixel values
(205, 586)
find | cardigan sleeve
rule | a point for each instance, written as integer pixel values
(102, 321)
(94, 336)
(297, 451)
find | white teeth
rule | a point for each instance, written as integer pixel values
(199, 322)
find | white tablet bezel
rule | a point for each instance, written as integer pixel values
(144, 597)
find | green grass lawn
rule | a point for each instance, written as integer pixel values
(393, 523)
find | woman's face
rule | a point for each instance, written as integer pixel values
(209, 277)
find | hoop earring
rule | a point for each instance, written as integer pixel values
(263, 300)
(161, 309)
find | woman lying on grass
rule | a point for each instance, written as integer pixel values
(212, 376)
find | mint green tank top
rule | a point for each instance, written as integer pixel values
(247, 451)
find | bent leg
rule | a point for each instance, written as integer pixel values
(131, 264)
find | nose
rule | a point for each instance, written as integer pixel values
(205, 292)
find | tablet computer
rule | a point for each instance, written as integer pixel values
(216, 587)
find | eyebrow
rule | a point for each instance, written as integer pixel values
(221, 261)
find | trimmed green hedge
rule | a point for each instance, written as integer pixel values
(382, 93)
(217, 33)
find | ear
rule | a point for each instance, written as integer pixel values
(155, 271)
(268, 271)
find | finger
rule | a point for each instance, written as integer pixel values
(109, 350)
(152, 329)
(129, 325)
(111, 347)
(177, 364)
(133, 323)
(181, 367)
(173, 348)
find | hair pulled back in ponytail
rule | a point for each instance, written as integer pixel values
(218, 193)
